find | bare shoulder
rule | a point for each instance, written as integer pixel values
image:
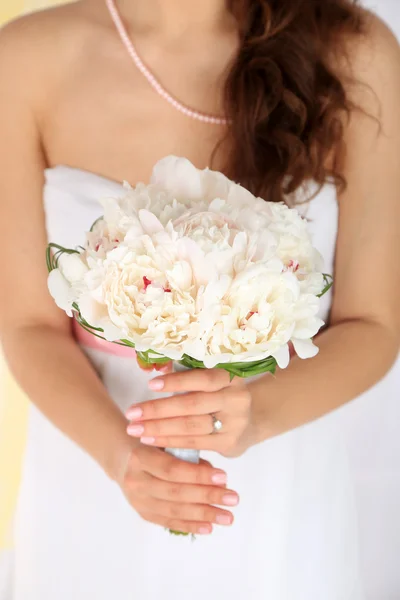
(37, 47)
(379, 44)
(375, 64)
(36, 30)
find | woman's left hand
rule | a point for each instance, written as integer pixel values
(186, 420)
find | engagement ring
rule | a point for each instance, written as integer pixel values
(217, 424)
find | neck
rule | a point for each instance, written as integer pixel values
(175, 17)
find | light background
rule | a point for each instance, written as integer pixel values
(371, 427)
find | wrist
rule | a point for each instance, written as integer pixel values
(117, 454)
(263, 411)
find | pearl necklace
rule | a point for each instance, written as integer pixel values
(155, 84)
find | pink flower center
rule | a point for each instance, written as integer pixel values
(146, 282)
(294, 265)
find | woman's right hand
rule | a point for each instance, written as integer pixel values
(175, 494)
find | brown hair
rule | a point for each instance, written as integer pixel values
(285, 101)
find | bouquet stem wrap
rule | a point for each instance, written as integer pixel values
(192, 456)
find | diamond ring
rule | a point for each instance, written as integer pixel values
(217, 424)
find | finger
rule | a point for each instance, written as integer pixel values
(193, 425)
(196, 403)
(178, 524)
(206, 380)
(167, 467)
(221, 479)
(201, 513)
(201, 442)
(191, 494)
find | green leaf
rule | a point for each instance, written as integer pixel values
(95, 223)
(328, 280)
(147, 360)
(127, 343)
(246, 369)
(173, 532)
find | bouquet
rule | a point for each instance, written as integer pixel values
(193, 268)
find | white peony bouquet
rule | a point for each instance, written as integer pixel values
(193, 268)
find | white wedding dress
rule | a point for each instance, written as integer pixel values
(295, 535)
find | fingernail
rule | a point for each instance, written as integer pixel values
(219, 478)
(148, 440)
(224, 520)
(156, 384)
(135, 430)
(134, 413)
(204, 530)
(230, 500)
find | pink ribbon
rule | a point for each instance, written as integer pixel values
(84, 338)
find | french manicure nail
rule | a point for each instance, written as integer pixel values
(134, 413)
(204, 531)
(148, 441)
(156, 384)
(230, 500)
(135, 430)
(219, 478)
(224, 520)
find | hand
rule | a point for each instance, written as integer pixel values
(175, 494)
(186, 420)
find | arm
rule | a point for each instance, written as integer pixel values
(362, 341)
(34, 333)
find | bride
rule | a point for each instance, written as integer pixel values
(297, 100)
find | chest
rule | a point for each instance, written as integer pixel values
(104, 117)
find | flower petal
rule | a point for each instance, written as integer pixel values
(305, 348)
(179, 177)
(91, 310)
(111, 332)
(282, 356)
(203, 270)
(72, 267)
(149, 222)
(60, 289)
(307, 328)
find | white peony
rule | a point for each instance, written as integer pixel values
(194, 264)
